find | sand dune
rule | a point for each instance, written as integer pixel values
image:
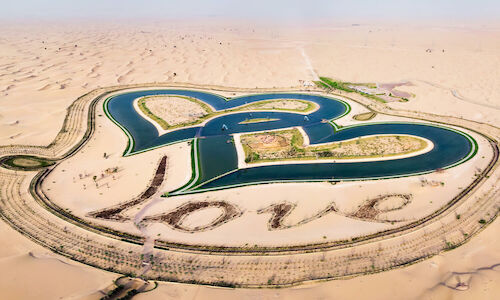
(9, 87)
(45, 87)
(123, 78)
(65, 280)
(27, 263)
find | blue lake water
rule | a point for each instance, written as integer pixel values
(217, 153)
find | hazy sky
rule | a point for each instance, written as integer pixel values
(353, 10)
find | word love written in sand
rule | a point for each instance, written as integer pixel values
(368, 211)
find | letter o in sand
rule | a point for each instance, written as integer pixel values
(176, 217)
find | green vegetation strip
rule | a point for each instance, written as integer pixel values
(365, 116)
(328, 84)
(25, 162)
(257, 120)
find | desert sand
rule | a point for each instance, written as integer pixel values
(44, 67)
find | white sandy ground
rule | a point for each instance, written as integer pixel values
(36, 86)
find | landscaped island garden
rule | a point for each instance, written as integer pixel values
(175, 111)
(289, 145)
